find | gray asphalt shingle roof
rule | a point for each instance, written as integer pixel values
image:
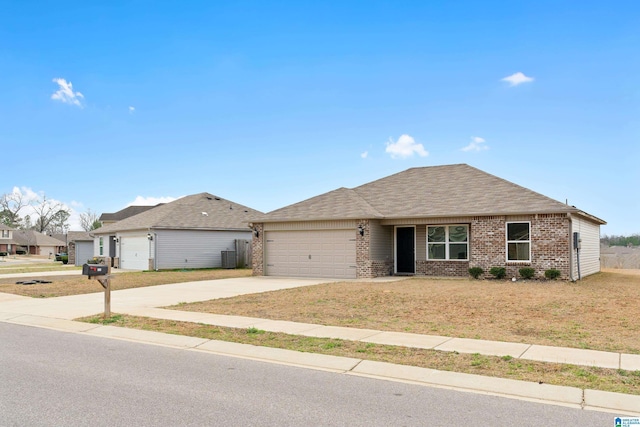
(201, 211)
(125, 213)
(434, 191)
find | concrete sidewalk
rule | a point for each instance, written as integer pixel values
(57, 313)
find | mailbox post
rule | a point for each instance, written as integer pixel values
(102, 273)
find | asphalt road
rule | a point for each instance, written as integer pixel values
(50, 378)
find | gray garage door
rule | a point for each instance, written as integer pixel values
(316, 253)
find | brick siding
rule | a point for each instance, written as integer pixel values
(257, 250)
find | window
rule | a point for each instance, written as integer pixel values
(518, 241)
(448, 242)
(101, 246)
(5, 234)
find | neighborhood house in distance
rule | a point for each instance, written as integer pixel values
(432, 221)
(30, 242)
(191, 232)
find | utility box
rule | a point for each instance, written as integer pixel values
(94, 270)
(229, 259)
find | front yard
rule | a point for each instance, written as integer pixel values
(600, 312)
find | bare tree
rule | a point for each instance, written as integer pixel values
(89, 220)
(10, 206)
(46, 211)
(59, 224)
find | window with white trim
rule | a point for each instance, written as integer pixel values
(101, 246)
(5, 234)
(518, 241)
(448, 242)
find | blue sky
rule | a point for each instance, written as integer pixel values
(268, 103)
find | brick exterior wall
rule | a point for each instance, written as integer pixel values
(71, 253)
(363, 263)
(257, 250)
(442, 268)
(549, 236)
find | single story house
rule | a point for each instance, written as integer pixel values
(36, 243)
(432, 221)
(79, 247)
(191, 232)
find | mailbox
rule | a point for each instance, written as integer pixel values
(94, 270)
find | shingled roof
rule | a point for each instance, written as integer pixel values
(34, 238)
(201, 211)
(425, 192)
(125, 213)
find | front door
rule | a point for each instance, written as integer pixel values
(405, 250)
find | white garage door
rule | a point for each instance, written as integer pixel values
(317, 253)
(134, 253)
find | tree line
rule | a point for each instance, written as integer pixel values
(47, 217)
(633, 240)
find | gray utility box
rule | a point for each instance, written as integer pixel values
(94, 270)
(229, 259)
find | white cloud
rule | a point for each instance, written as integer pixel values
(151, 201)
(364, 155)
(31, 198)
(66, 94)
(131, 109)
(476, 144)
(517, 79)
(405, 146)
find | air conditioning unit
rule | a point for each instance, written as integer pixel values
(229, 259)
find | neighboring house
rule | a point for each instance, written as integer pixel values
(433, 221)
(110, 218)
(190, 232)
(79, 247)
(36, 243)
(6, 239)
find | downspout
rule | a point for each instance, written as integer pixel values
(571, 276)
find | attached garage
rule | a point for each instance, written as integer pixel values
(83, 252)
(134, 253)
(311, 253)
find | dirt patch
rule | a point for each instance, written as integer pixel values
(76, 285)
(599, 312)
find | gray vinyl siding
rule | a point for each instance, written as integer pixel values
(590, 247)
(193, 249)
(421, 242)
(84, 252)
(381, 241)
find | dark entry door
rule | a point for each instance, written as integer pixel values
(405, 250)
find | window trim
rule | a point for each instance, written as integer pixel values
(446, 242)
(101, 245)
(507, 241)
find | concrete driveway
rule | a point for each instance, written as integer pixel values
(132, 300)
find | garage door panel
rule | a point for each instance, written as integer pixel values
(325, 253)
(134, 253)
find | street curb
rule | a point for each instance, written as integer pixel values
(559, 395)
(323, 362)
(605, 400)
(618, 403)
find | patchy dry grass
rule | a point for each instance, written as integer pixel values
(75, 285)
(505, 367)
(600, 312)
(11, 268)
